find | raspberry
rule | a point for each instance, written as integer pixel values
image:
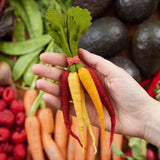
(3, 105)
(3, 156)
(7, 148)
(10, 158)
(4, 134)
(8, 94)
(17, 106)
(20, 118)
(7, 118)
(2, 90)
(19, 137)
(19, 151)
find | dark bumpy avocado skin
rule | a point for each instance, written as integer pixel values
(146, 47)
(134, 11)
(96, 7)
(128, 66)
(106, 37)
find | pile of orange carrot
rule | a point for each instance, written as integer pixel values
(48, 137)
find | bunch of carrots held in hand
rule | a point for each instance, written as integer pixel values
(77, 78)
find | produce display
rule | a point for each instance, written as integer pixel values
(126, 32)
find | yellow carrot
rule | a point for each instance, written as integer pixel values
(87, 121)
(75, 89)
(90, 87)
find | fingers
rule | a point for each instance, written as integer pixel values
(47, 71)
(48, 87)
(102, 65)
(52, 100)
(54, 59)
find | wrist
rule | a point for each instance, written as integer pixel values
(151, 131)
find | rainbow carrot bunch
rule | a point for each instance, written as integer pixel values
(66, 31)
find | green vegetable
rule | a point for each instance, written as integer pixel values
(20, 12)
(138, 147)
(77, 22)
(25, 47)
(34, 16)
(21, 64)
(19, 31)
(28, 76)
(118, 152)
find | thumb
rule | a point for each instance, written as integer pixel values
(102, 65)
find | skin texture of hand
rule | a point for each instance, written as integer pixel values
(131, 102)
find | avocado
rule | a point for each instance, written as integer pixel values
(134, 11)
(146, 47)
(128, 66)
(106, 37)
(97, 8)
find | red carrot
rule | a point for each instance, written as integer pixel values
(153, 84)
(105, 100)
(65, 98)
(145, 82)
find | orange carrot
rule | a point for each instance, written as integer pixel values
(90, 87)
(118, 140)
(90, 148)
(77, 148)
(75, 89)
(70, 148)
(105, 149)
(32, 127)
(61, 133)
(46, 119)
(28, 155)
(29, 97)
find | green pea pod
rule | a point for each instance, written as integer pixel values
(28, 76)
(24, 47)
(22, 63)
(20, 12)
(19, 31)
(34, 14)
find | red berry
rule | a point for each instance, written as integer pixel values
(2, 90)
(17, 106)
(7, 148)
(4, 134)
(3, 156)
(9, 94)
(19, 137)
(7, 118)
(0, 148)
(20, 118)
(3, 105)
(19, 151)
(10, 158)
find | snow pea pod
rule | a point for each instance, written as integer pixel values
(24, 47)
(22, 63)
(34, 15)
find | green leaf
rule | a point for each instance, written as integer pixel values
(118, 152)
(78, 21)
(138, 147)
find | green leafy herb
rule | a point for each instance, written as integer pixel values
(66, 30)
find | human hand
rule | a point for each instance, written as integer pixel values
(128, 98)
